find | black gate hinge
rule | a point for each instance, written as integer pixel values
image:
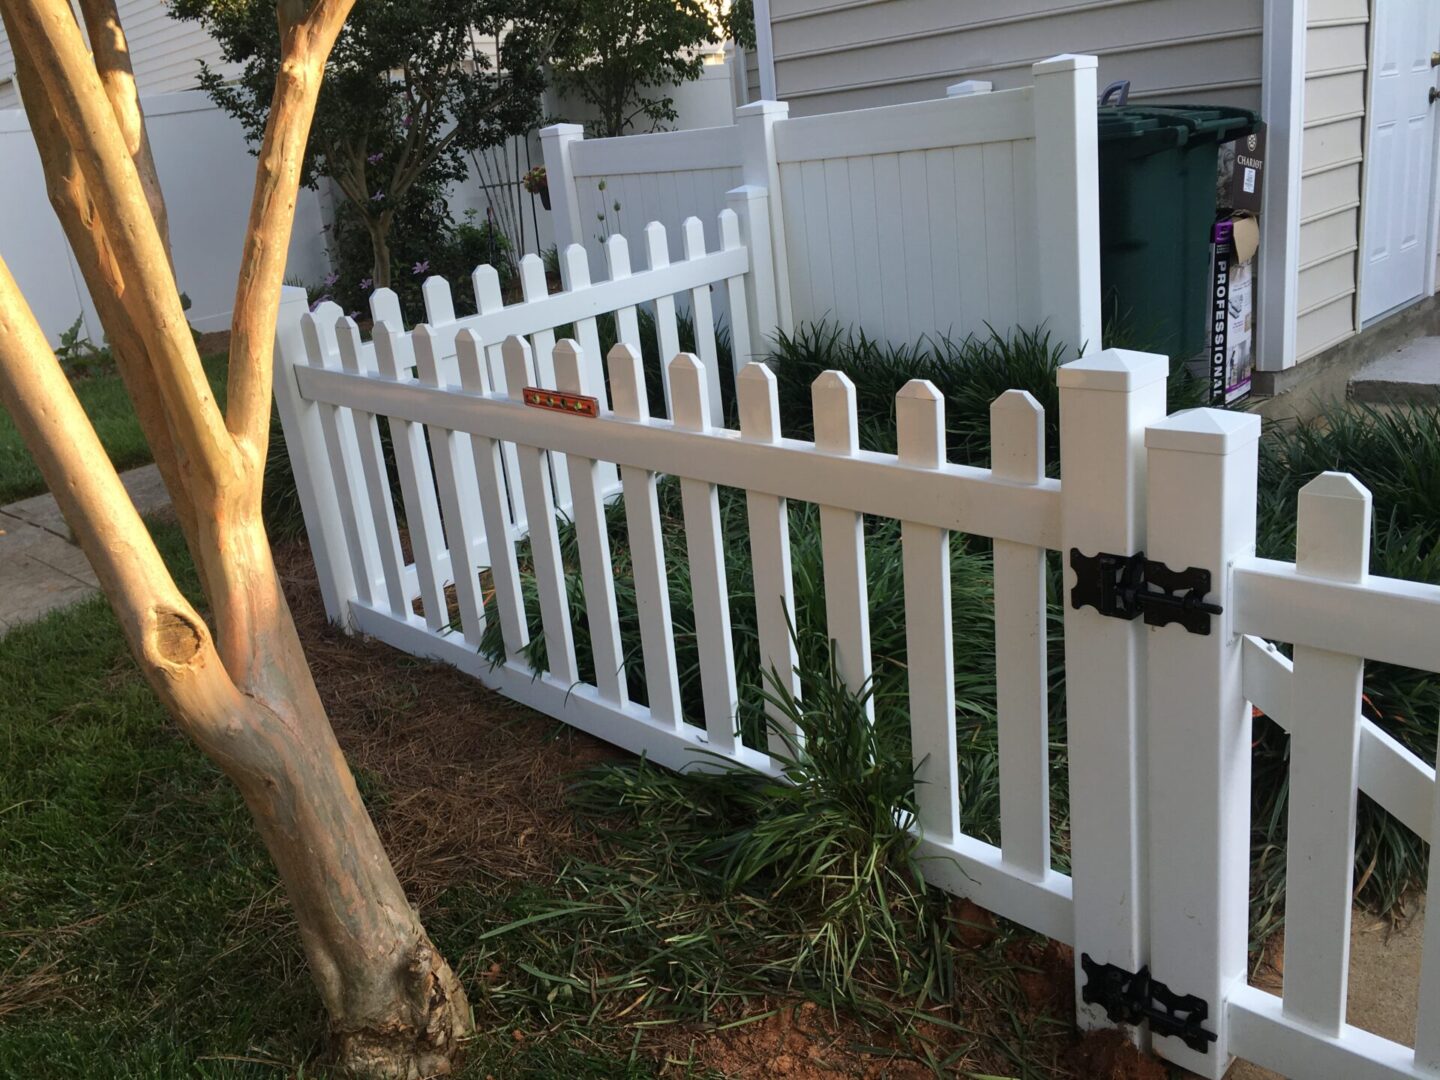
(1121, 586)
(1134, 997)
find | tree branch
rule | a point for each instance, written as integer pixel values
(47, 28)
(305, 45)
(112, 61)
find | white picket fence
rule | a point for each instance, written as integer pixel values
(1158, 718)
(934, 217)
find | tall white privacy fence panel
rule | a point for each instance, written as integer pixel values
(904, 221)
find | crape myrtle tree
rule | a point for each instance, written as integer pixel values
(238, 684)
(621, 56)
(411, 87)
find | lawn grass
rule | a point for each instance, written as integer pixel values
(108, 406)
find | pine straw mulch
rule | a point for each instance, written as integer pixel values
(467, 784)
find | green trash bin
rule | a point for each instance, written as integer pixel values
(1157, 206)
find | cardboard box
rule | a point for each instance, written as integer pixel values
(1231, 328)
(1240, 173)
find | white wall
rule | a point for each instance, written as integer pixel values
(207, 175)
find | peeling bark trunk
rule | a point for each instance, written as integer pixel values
(380, 250)
(244, 694)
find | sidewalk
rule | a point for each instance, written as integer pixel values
(41, 568)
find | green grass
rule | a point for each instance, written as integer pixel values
(108, 406)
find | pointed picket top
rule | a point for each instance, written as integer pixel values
(439, 305)
(1017, 437)
(832, 397)
(577, 267)
(1119, 370)
(317, 326)
(1332, 537)
(519, 366)
(920, 424)
(691, 395)
(427, 346)
(627, 383)
(758, 397)
(694, 230)
(657, 245)
(729, 230)
(617, 256)
(532, 277)
(347, 337)
(385, 307)
(485, 280)
(391, 347)
(470, 355)
(570, 374)
(1204, 431)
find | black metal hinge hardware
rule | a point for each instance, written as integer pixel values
(1133, 997)
(1125, 586)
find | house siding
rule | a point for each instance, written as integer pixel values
(848, 54)
(1336, 58)
(166, 53)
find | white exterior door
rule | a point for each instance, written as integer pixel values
(1399, 165)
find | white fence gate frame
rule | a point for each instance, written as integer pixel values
(906, 220)
(1159, 720)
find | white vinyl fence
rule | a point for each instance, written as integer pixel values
(919, 219)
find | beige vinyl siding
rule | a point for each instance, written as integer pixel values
(847, 54)
(165, 52)
(1336, 56)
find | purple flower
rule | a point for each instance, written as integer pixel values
(331, 278)
(420, 267)
(365, 283)
(377, 196)
(353, 314)
(408, 120)
(320, 300)
(375, 158)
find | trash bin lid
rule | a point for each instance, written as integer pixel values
(1159, 127)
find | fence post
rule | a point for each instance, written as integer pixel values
(1201, 513)
(760, 168)
(1107, 400)
(752, 206)
(555, 143)
(305, 443)
(1067, 199)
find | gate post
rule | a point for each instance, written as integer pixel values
(1107, 399)
(759, 167)
(1202, 482)
(555, 143)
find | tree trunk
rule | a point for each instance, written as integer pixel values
(379, 229)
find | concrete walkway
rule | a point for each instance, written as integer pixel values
(41, 567)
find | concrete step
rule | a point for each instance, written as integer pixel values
(1408, 376)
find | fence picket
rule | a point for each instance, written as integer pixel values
(578, 279)
(358, 360)
(1427, 1033)
(627, 324)
(1332, 540)
(702, 314)
(667, 329)
(490, 479)
(769, 522)
(454, 472)
(740, 343)
(534, 286)
(647, 550)
(597, 572)
(842, 537)
(544, 536)
(343, 454)
(1017, 439)
(439, 304)
(929, 634)
(385, 308)
(704, 543)
(393, 351)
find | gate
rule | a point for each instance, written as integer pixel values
(496, 428)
